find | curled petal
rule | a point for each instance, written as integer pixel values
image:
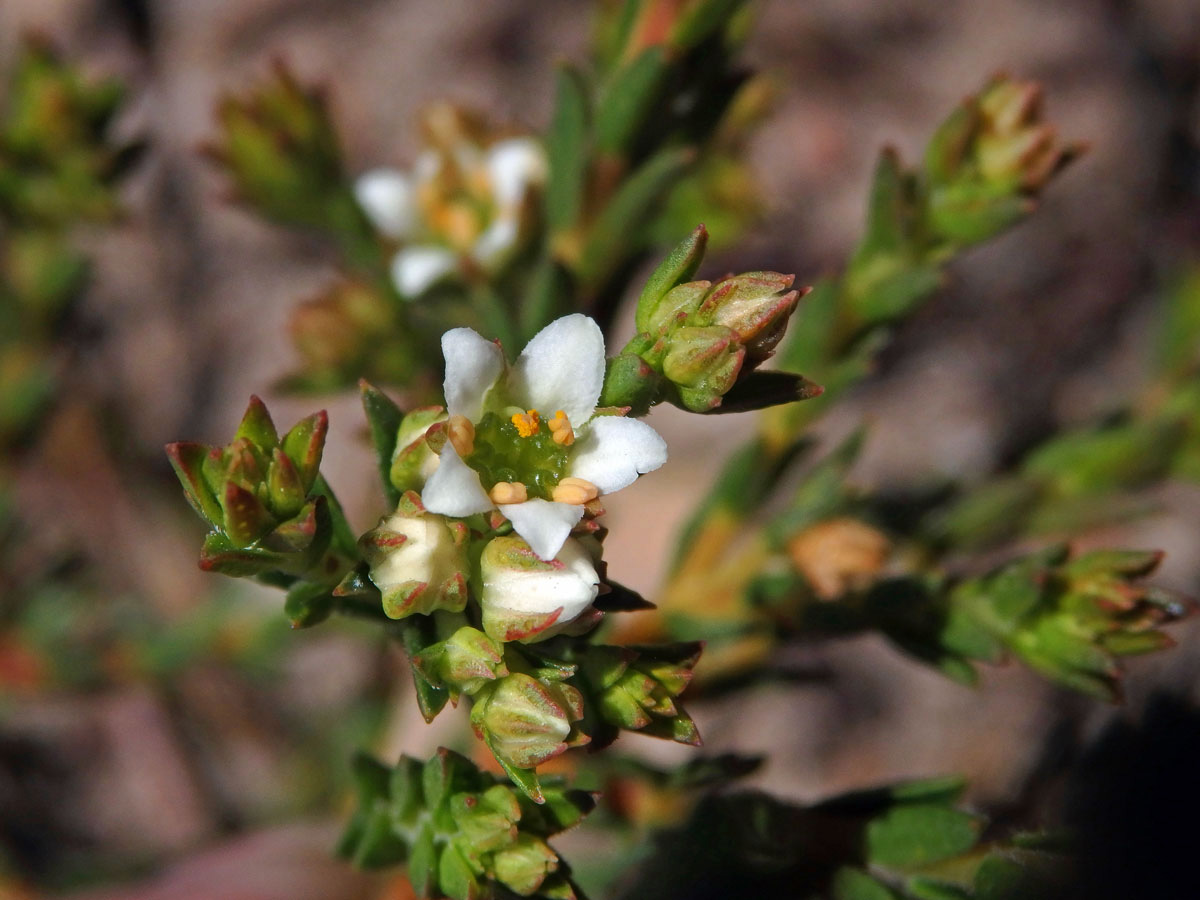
(542, 523)
(473, 363)
(388, 199)
(454, 489)
(562, 368)
(512, 166)
(416, 269)
(614, 451)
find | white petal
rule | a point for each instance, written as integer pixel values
(512, 166)
(543, 524)
(388, 199)
(562, 368)
(416, 269)
(454, 489)
(494, 244)
(473, 363)
(613, 451)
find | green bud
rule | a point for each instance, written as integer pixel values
(414, 460)
(464, 662)
(257, 495)
(755, 306)
(703, 363)
(526, 721)
(524, 865)
(279, 146)
(487, 821)
(418, 560)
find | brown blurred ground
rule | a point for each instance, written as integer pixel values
(1046, 325)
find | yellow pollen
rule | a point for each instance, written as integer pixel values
(528, 423)
(461, 433)
(576, 491)
(508, 492)
(561, 430)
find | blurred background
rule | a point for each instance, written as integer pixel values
(162, 730)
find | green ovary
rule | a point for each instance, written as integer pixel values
(501, 454)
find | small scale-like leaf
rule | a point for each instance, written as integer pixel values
(256, 425)
(304, 445)
(918, 834)
(187, 459)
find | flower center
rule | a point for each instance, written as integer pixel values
(517, 449)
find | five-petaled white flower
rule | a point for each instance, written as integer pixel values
(527, 439)
(461, 205)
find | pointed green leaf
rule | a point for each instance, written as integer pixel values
(256, 425)
(304, 445)
(383, 421)
(187, 459)
(567, 150)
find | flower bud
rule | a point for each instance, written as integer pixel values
(703, 363)
(257, 493)
(636, 688)
(526, 721)
(418, 561)
(464, 662)
(755, 306)
(414, 460)
(526, 598)
(524, 865)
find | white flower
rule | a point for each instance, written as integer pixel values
(526, 439)
(401, 205)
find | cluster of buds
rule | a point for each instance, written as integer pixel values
(1070, 619)
(261, 498)
(465, 209)
(989, 159)
(349, 329)
(58, 167)
(279, 146)
(697, 339)
(636, 689)
(56, 164)
(462, 832)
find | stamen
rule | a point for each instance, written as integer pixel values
(576, 491)
(528, 423)
(561, 430)
(461, 432)
(508, 492)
